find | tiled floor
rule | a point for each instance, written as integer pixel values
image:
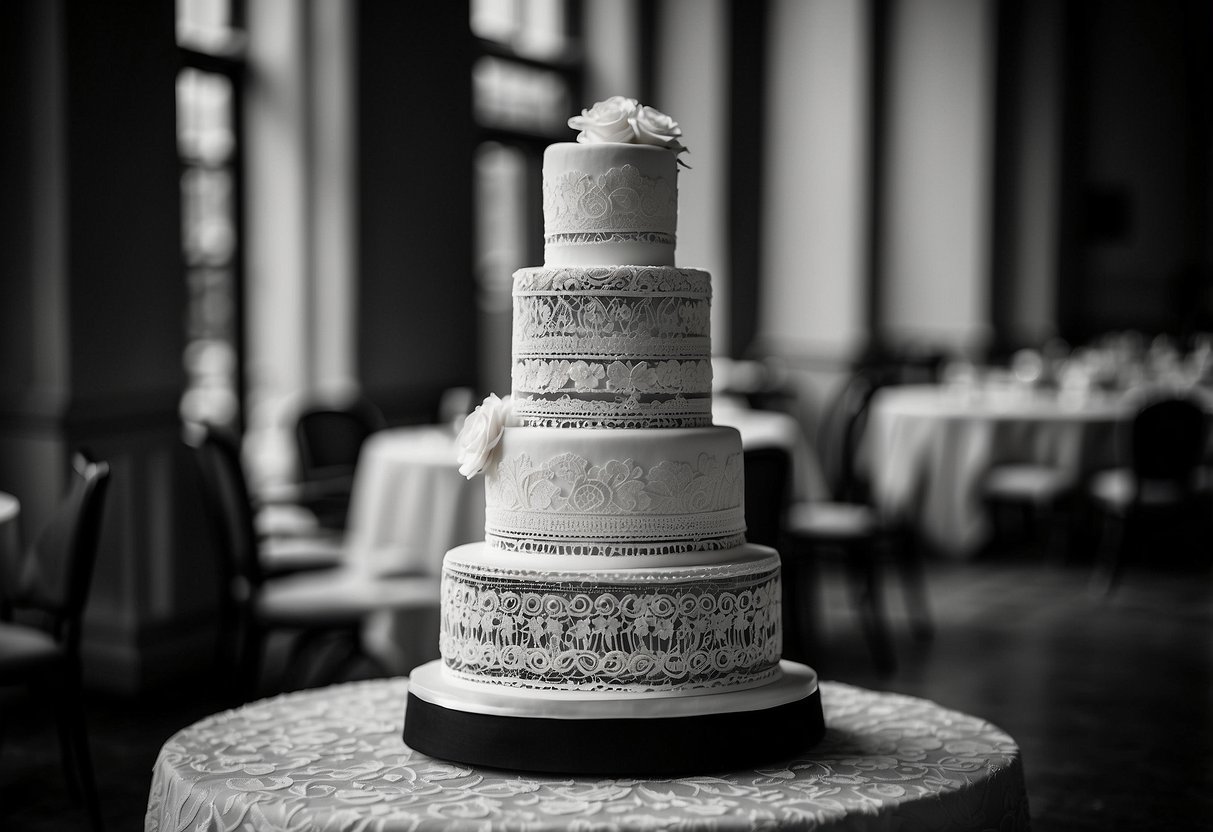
(1111, 699)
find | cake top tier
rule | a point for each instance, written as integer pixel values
(611, 198)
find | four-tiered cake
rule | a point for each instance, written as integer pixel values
(614, 620)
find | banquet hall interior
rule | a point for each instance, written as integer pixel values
(958, 249)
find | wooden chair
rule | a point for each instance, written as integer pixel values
(315, 605)
(1160, 493)
(41, 616)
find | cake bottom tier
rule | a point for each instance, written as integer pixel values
(657, 625)
(568, 733)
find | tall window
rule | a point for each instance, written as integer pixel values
(526, 81)
(210, 36)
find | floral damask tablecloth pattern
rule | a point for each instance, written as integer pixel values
(332, 759)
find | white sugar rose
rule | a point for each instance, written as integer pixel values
(481, 434)
(655, 127)
(606, 121)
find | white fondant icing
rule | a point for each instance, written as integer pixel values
(616, 489)
(431, 683)
(609, 203)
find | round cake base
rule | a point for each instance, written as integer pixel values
(613, 735)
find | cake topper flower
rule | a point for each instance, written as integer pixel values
(481, 433)
(621, 119)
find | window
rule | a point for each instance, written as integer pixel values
(526, 82)
(209, 96)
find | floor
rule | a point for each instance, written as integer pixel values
(1110, 699)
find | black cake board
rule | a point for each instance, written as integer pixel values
(634, 736)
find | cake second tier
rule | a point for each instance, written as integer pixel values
(612, 346)
(615, 492)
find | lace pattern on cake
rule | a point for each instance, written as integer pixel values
(606, 535)
(624, 325)
(617, 280)
(538, 375)
(621, 199)
(535, 630)
(600, 238)
(623, 412)
(622, 549)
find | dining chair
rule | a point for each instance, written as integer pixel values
(329, 434)
(286, 542)
(768, 473)
(848, 528)
(42, 605)
(314, 606)
(1160, 495)
(1031, 497)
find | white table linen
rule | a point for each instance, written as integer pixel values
(333, 759)
(408, 506)
(409, 503)
(929, 447)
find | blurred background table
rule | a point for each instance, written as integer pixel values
(408, 506)
(930, 446)
(409, 503)
(333, 759)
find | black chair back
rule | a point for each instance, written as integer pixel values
(228, 505)
(840, 435)
(56, 572)
(767, 488)
(1167, 440)
(329, 437)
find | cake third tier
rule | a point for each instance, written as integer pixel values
(581, 491)
(612, 346)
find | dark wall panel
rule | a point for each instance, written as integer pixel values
(416, 296)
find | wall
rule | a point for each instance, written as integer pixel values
(1138, 168)
(415, 137)
(813, 235)
(938, 196)
(94, 292)
(691, 86)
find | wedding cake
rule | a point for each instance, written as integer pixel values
(614, 620)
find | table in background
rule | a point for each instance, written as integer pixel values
(930, 446)
(333, 759)
(409, 505)
(775, 429)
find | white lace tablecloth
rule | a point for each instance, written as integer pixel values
(929, 447)
(332, 759)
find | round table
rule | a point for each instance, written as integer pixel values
(928, 448)
(332, 759)
(409, 504)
